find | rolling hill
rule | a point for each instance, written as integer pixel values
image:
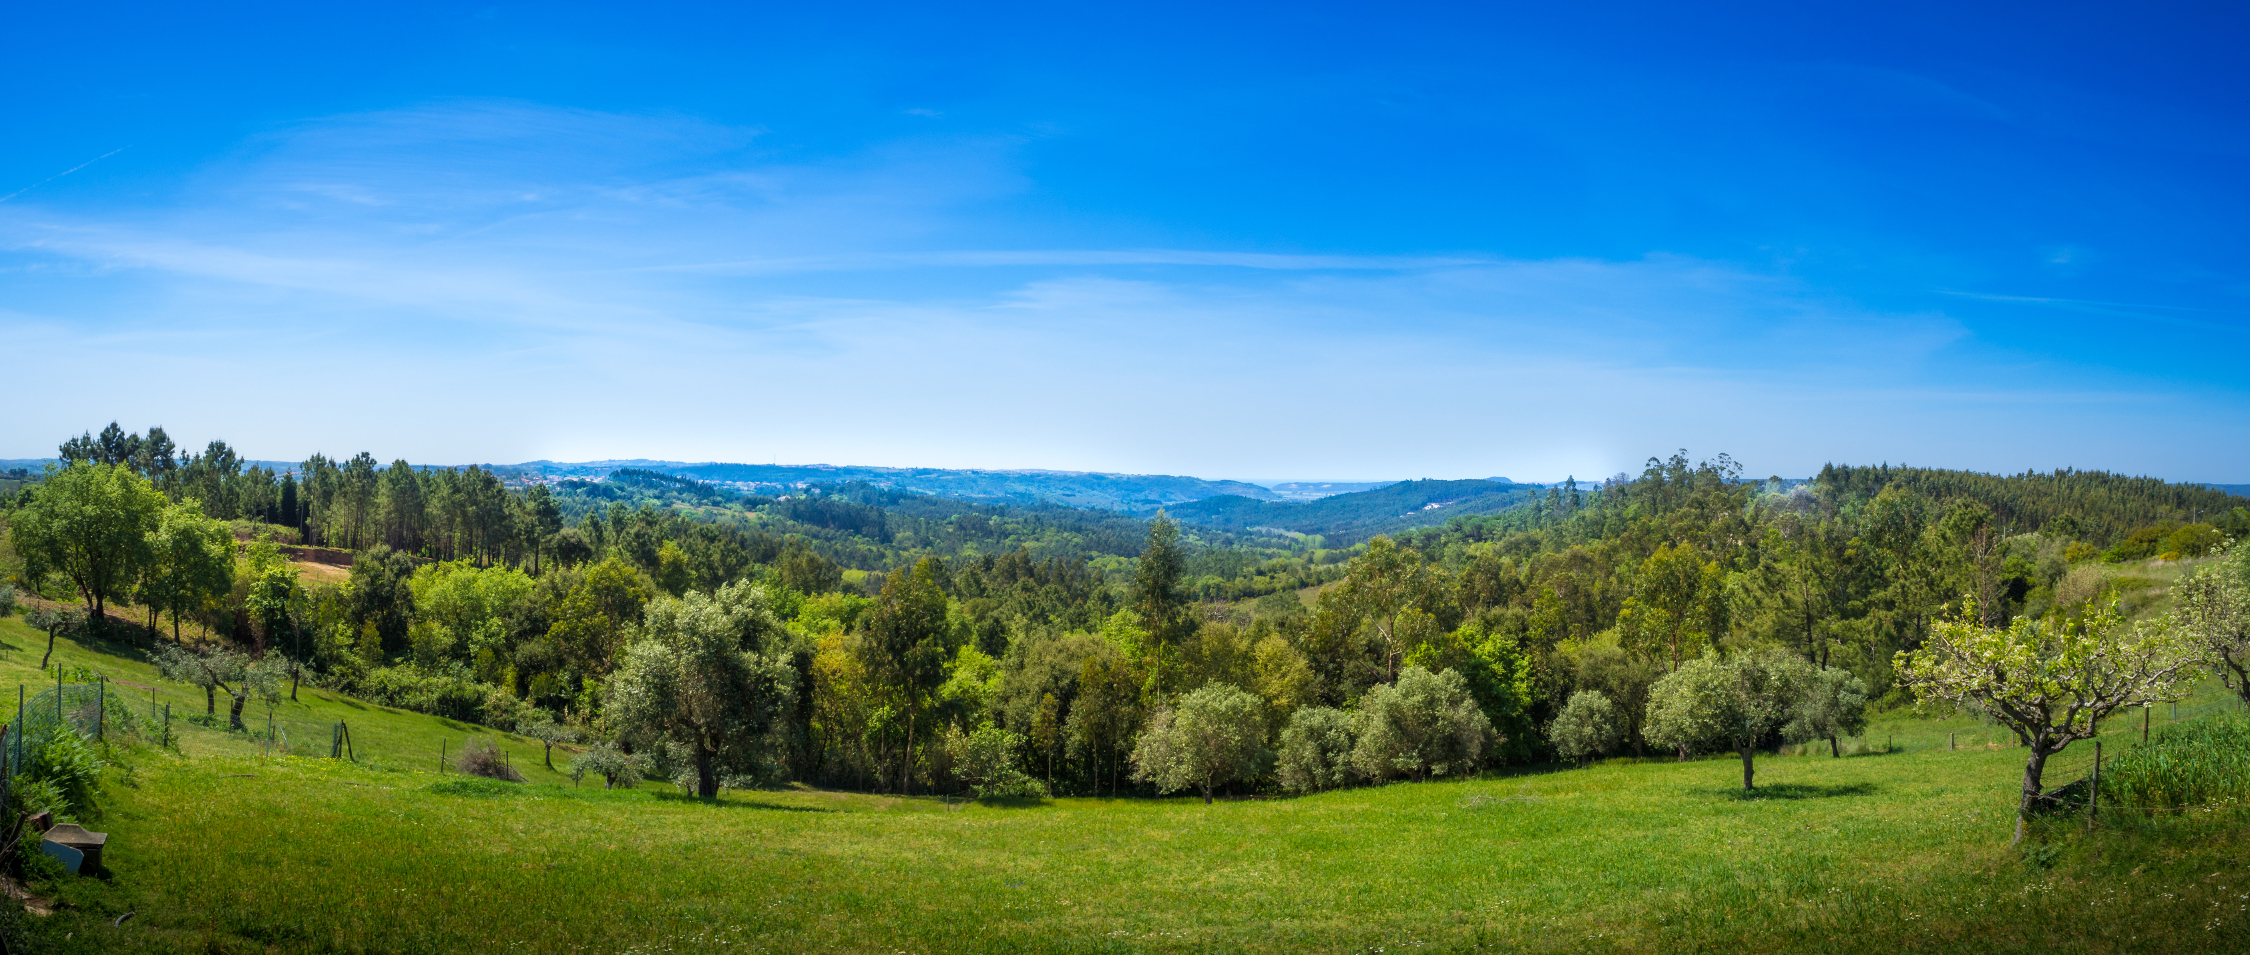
(1349, 518)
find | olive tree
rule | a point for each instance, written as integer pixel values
(213, 670)
(1833, 706)
(1211, 736)
(2049, 681)
(704, 677)
(1712, 703)
(548, 732)
(1316, 748)
(1588, 726)
(1426, 724)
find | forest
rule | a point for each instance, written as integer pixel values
(870, 638)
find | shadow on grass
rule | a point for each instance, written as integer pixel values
(1012, 802)
(686, 799)
(1800, 791)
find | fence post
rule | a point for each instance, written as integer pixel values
(167, 723)
(2094, 792)
(101, 709)
(441, 756)
(348, 754)
(2145, 717)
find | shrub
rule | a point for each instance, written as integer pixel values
(66, 761)
(480, 758)
(1316, 748)
(2198, 763)
(1588, 726)
(986, 760)
(7, 599)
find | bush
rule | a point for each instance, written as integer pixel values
(64, 760)
(1588, 726)
(451, 693)
(7, 599)
(2198, 763)
(480, 758)
(1316, 748)
(986, 760)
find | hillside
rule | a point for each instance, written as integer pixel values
(1900, 846)
(1346, 519)
(1073, 488)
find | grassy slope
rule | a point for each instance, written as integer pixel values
(381, 736)
(221, 851)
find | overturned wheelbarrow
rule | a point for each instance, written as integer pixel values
(78, 850)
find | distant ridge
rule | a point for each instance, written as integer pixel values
(1098, 489)
(1349, 518)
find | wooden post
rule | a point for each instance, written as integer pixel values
(2094, 792)
(2146, 715)
(101, 709)
(441, 756)
(1949, 743)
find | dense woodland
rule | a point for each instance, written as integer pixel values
(866, 637)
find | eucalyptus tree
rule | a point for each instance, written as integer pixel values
(906, 647)
(191, 563)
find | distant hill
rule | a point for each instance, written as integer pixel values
(1349, 518)
(1315, 490)
(1073, 488)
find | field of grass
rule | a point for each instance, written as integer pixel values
(217, 849)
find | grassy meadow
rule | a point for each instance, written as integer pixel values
(217, 848)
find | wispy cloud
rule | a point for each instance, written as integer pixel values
(486, 281)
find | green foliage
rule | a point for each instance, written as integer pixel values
(617, 768)
(1424, 725)
(985, 758)
(1210, 737)
(1316, 749)
(1588, 726)
(704, 675)
(64, 760)
(2197, 764)
(92, 524)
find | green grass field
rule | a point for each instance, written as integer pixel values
(217, 849)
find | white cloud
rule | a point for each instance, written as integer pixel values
(497, 282)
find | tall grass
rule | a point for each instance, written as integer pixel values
(2203, 762)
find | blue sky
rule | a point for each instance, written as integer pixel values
(1256, 242)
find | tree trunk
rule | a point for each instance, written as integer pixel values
(1748, 770)
(210, 701)
(2034, 768)
(706, 775)
(1835, 749)
(50, 646)
(293, 672)
(234, 714)
(550, 755)
(1206, 792)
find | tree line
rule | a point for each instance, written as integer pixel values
(1687, 610)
